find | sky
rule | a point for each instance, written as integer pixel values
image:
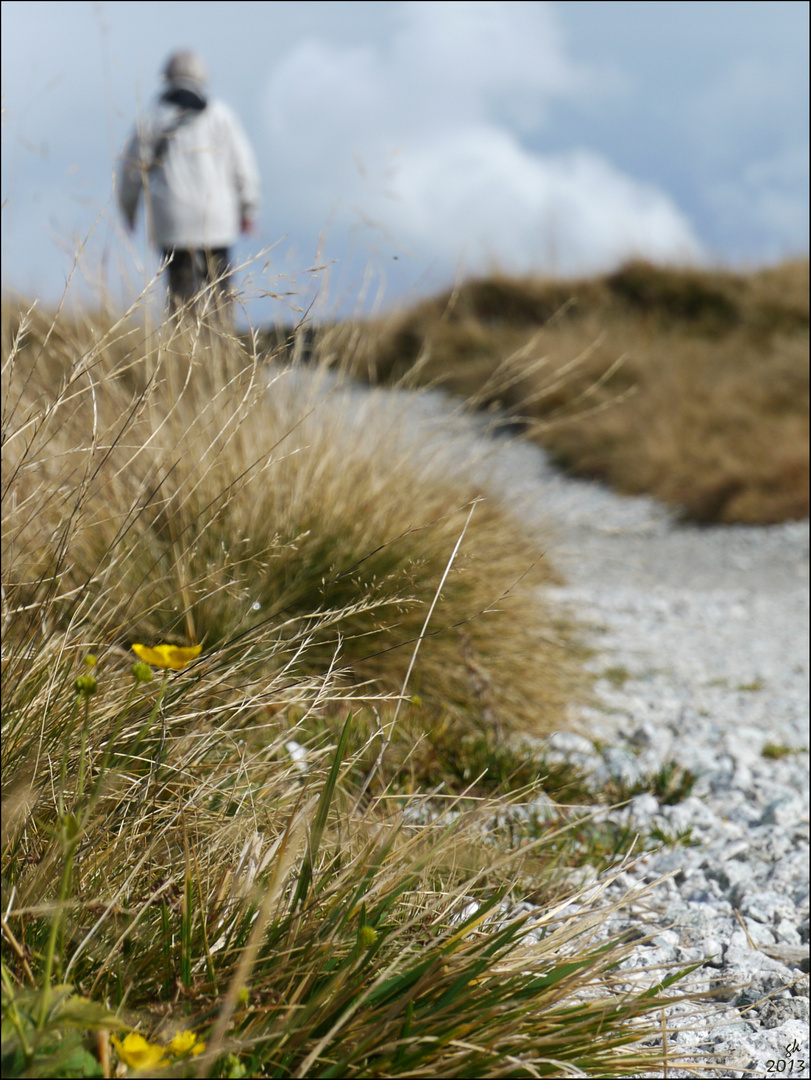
(406, 145)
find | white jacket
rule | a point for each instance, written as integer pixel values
(198, 172)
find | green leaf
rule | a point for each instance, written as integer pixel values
(55, 1056)
(320, 820)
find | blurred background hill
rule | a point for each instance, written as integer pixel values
(687, 384)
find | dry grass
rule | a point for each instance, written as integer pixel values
(689, 385)
(168, 864)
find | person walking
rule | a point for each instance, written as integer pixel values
(195, 167)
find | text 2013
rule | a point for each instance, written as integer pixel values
(787, 1065)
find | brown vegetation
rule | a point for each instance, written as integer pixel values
(687, 384)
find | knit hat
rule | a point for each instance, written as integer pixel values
(187, 70)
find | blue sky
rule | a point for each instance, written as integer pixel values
(405, 144)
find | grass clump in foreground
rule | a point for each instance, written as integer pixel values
(174, 875)
(690, 385)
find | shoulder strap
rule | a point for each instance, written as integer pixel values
(191, 104)
(162, 145)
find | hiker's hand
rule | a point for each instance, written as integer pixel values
(248, 226)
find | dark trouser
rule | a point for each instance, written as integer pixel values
(191, 270)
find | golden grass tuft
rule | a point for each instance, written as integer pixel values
(178, 489)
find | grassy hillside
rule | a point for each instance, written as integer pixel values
(687, 384)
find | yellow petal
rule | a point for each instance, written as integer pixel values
(167, 656)
(186, 1042)
(137, 1053)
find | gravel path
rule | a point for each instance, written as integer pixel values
(702, 636)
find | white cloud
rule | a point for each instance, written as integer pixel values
(466, 61)
(480, 195)
(419, 136)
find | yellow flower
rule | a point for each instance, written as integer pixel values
(167, 656)
(137, 1053)
(186, 1042)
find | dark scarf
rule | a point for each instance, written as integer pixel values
(185, 98)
